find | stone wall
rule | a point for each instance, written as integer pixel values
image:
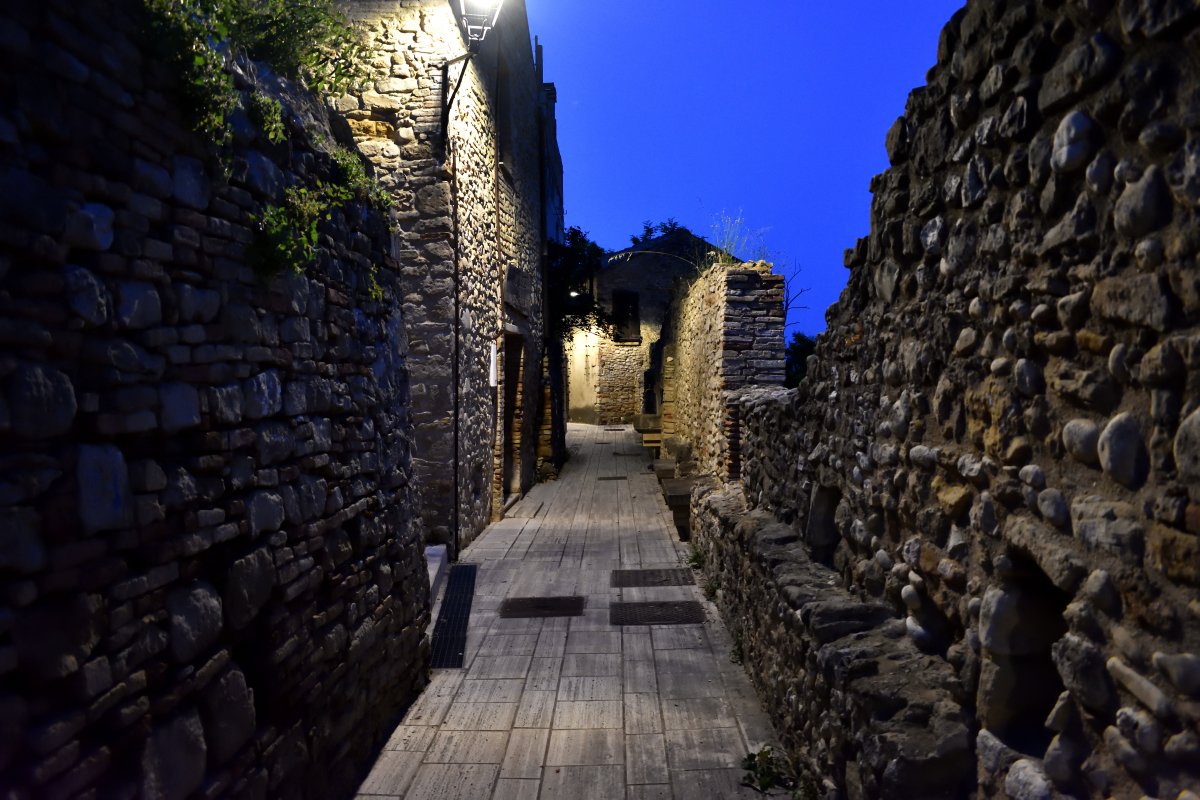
(471, 217)
(210, 571)
(851, 696)
(998, 436)
(620, 366)
(736, 311)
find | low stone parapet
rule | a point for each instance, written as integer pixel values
(855, 702)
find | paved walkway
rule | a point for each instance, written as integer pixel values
(573, 707)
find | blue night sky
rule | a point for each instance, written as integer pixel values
(776, 109)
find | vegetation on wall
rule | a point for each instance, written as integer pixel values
(308, 41)
(570, 275)
(305, 40)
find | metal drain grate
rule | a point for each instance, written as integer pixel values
(618, 430)
(629, 455)
(683, 612)
(450, 633)
(630, 578)
(529, 607)
(612, 478)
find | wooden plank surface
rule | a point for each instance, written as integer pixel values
(572, 706)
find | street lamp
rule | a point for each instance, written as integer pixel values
(479, 17)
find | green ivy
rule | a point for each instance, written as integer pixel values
(190, 39)
(287, 234)
(267, 113)
(362, 186)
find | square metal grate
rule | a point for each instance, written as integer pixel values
(450, 633)
(683, 612)
(530, 607)
(629, 578)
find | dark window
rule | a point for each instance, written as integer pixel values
(627, 323)
(504, 142)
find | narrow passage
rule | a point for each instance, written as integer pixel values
(574, 707)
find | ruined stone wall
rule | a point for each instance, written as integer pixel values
(736, 311)
(620, 370)
(464, 216)
(998, 436)
(851, 696)
(211, 576)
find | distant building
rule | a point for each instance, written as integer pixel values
(467, 146)
(612, 379)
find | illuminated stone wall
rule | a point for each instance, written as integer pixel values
(470, 224)
(993, 460)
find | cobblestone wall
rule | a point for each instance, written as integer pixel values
(851, 696)
(211, 578)
(735, 311)
(470, 211)
(998, 436)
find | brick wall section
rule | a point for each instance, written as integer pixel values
(211, 577)
(735, 310)
(999, 435)
(457, 201)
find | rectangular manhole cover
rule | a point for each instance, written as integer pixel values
(683, 612)
(450, 633)
(611, 478)
(530, 607)
(629, 578)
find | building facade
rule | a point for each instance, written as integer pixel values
(613, 377)
(464, 139)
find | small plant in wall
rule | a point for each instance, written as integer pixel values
(267, 113)
(287, 235)
(768, 770)
(286, 239)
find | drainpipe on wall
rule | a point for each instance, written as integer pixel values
(447, 101)
(457, 339)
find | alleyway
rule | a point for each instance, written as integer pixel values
(573, 707)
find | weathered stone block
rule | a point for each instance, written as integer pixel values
(105, 500)
(228, 711)
(263, 395)
(180, 406)
(190, 184)
(195, 620)
(174, 757)
(41, 402)
(250, 581)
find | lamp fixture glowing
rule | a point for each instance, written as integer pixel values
(479, 17)
(574, 293)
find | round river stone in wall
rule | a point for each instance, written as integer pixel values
(1081, 437)
(1187, 450)
(1122, 452)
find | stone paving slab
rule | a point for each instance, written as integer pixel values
(573, 707)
